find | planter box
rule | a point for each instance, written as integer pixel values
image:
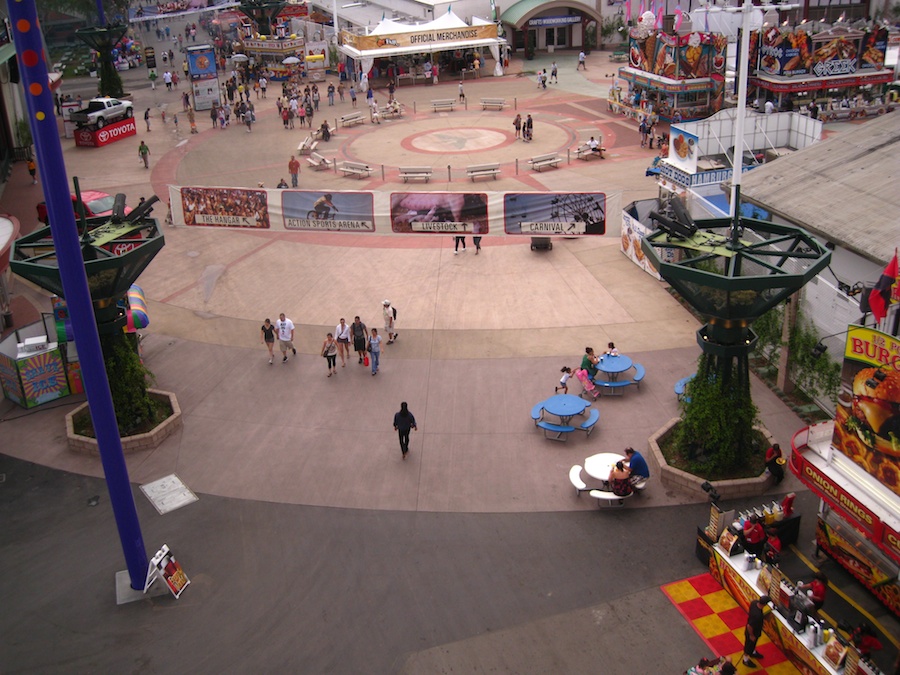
(88, 446)
(688, 483)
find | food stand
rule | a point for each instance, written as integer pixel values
(840, 68)
(675, 76)
(269, 53)
(853, 465)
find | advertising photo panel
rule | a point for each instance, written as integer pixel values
(554, 213)
(225, 207)
(439, 212)
(327, 211)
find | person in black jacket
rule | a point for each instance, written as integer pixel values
(403, 422)
(753, 630)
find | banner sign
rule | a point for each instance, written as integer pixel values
(420, 38)
(474, 213)
(867, 420)
(790, 52)
(683, 150)
(201, 62)
(555, 20)
(685, 57)
(112, 132)
(833, 493)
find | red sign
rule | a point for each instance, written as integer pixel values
(116, 131)
(891, 542)
(834, 494)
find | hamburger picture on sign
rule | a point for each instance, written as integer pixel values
(867, 420)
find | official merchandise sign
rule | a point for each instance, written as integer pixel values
(116, 131)
(420, 38)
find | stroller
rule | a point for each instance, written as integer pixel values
(584, 377)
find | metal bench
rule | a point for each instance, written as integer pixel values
(537, 413)
(391, 111)
(498, 103)
(618, 57)
(443, 104)
(561, 430)
(350, 119)
(613, 388)
(413, 172)
(605, 498)
(355, 169)
(318, 132)
(538, 162)
(639, 374)
(681, 388)
(308, 146)
(589, 424)
(317, 162)
(584, 152)
(480, 170)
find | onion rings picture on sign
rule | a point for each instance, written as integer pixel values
(439, 212)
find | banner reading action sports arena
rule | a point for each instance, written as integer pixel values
(542, 214)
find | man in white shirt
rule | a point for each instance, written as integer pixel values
(594, 145)
(770, 107)
(285, 328)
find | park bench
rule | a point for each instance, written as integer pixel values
(589, 424)
(480, 170)
(355, 169)
(350, 119)
(308, 145)
(562, 431)
(443, 104)
(498, 103)
(613, 388)
(317, 162)
(618, 57)
(577, 482)
(413, 172)
(538, 162)
(391, 111)
(584, 152)
(318, 132)
(605, 498)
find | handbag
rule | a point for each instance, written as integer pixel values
(366, 360)
(369, 348)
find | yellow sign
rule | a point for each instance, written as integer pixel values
(425, 39)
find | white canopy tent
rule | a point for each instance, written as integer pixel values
(446, 33)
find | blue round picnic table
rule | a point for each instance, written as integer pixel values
(614, 365)
(565, 406)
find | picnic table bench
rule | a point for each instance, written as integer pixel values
(538, 162)
(584, 152)
(615, 388)
(443, 104)
(355, 169)
(350, 119)
(479, 170)
(561, 430)
(681, 388)
(498, 103)
(618, 57)
(316, 161)
(308, 145)
(605, 498)
(412, 172)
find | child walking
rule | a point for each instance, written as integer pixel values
(564, 380)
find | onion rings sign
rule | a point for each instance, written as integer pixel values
(115, 131)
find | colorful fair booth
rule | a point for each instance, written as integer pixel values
(678, 77)
(399, 41)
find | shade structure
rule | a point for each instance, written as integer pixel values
(290, 61)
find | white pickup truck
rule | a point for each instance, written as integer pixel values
(101, 111)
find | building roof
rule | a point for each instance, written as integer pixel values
(843, 189)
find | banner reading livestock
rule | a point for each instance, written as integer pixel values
(474, 213)
(867, 421)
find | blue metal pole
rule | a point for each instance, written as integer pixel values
(39, 100)
(100, 13)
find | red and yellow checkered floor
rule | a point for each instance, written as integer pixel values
(719, 620)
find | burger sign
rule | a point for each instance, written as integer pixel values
(867, 422)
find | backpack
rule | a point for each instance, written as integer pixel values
(394, 309)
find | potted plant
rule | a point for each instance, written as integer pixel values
(590, 37)
(530, 45)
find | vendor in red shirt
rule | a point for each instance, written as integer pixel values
(775, 467)
(818, 587)
(772, 549)
(863, 638)
(754, 536)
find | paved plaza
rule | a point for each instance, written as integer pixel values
(313, 547)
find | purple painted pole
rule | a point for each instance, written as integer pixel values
(39, 100)
(100, 13)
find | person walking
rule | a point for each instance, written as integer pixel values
(457, 241)
(753, 629)
(404, 421)
(152, 77)
(390, 321)
(462, 93)
(329, 351)
(775, 462)
(554, 69)
(374, 350)
(477, 242)
(352, 96)
(285, 329)
(360, 337)
(267, 337)
(144, 154)
(32, 170)
(517, 123)
(330, 93)
(294, 170)
(342, 331)
(582, 60)
(528, 129)
(340, 91)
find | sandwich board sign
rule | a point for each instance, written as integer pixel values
(164, 566)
